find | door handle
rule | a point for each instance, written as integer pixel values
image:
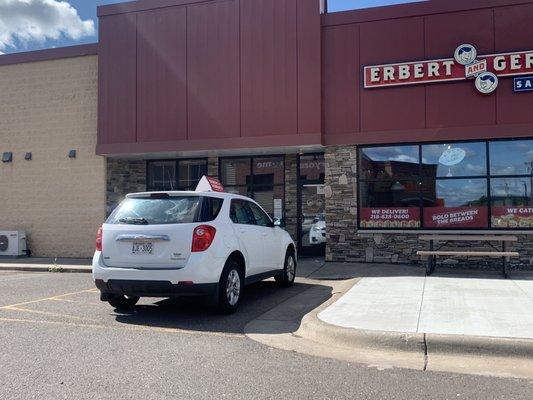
(242, 230)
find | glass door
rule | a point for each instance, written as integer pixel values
(311, 206)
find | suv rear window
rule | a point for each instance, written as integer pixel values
(161, 210)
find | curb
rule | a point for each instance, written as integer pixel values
(492, 356)
(45, 268)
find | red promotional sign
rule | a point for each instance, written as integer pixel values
(455, 217)
(392, 217)
(442, 70)
(512, 217)
(209, 184)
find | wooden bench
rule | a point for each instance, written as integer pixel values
(434, 253)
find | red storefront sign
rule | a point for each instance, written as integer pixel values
(512, 217)
(392, 217)
(443, 70)
(455, 217)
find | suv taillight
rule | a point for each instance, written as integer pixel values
(202, 238)
(99, 239)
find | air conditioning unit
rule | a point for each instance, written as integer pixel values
(13, 244)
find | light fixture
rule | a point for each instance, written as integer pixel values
(28, 156)
(7, 157)
(72, 154)
(397, 187)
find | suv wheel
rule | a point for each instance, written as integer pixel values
(230, 287)
(123, 302)
(286, 278)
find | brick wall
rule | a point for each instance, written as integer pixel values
(49, 108)
(346, 244)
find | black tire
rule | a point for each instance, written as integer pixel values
(230, 287)
(122, 302)
(286, 278)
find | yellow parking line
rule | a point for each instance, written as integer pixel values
(52, 314)
(139, 328)
(51, 298)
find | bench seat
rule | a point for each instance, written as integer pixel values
(469, 253)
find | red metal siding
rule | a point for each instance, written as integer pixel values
(117, 87)
(309, 67)
(341, 87)
(458, 104)
(210, 74)
(213, 70)
(268, 67)
(384, 42)
(162, 75)
(513, 31)
(414, 32)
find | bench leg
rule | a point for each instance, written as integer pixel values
(432, 260)
(504, 262)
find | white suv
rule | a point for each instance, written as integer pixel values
(175, 244)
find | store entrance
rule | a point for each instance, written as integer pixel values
(311, 206)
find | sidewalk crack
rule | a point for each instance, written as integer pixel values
(426, 358)
(421, 304)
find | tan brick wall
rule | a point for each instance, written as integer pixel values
(48, 108)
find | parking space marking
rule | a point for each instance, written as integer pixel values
(138, 328)
(93, 290)
(52, 314)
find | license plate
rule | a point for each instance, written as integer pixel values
(142, 248)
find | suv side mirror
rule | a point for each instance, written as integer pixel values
(277, 222)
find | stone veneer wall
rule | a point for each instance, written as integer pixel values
(123, 177)
(345, 244)
(291, 195)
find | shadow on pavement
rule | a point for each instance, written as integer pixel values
(193, 314)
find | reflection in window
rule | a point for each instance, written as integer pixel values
(312, 167)
(395, 162)
(235, 171)
(512, 202)
(190, 172)
(261, 178)
(459, 203)
(162, 175)
(389, 204)
(454, 160)
(511, 157)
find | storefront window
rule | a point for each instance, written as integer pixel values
(512, 202)
(390, 204)
(454, 160)
(514, 157)
(175, 174)
(312, 167)
(395, 162)
(459, 203)
(261, 178)
(162, 175)
(459, 185)
(190, 172)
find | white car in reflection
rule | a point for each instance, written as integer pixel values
(173, 244)
(317, 233)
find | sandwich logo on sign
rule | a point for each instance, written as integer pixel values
(486, 71)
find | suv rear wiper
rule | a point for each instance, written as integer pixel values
(134, 221)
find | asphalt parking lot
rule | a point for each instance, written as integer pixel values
(60, 342)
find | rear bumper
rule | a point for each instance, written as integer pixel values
(143, 288)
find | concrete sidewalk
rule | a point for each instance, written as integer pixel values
(31, 264)
(467, 303)
(392, 316)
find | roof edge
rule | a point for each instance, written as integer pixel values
(141, 5)
(418, 8)
(49, 54)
